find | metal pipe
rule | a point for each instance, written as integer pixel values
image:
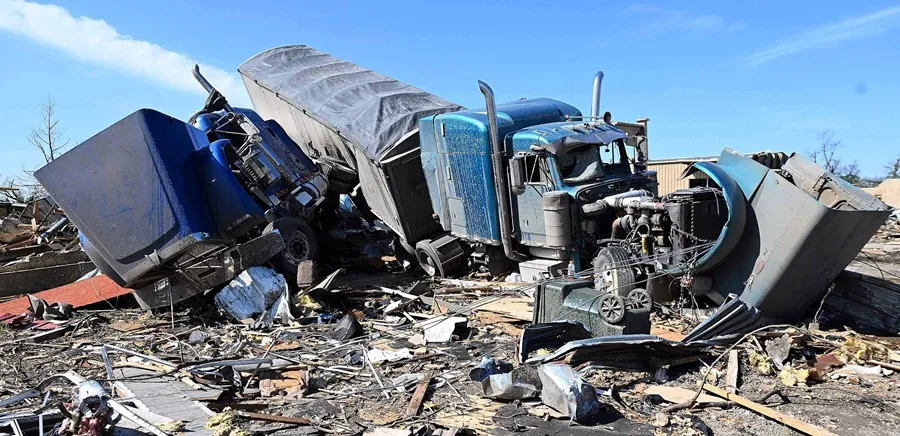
(595, 96)
(500, 183)
(612, 201)
(54, 229)
(641, 203)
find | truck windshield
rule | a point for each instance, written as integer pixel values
(579, 165)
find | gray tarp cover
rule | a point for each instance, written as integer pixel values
(372, 110)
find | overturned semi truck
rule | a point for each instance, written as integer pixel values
(173, 208)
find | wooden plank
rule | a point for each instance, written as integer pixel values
(885, 365)
(416, 402)
(734, 369)
(790, 421)
(674, 394)
(666, 334)
(273, 418)
(514, 307)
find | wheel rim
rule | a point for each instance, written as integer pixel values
(607, 278)
(639, 299)
(296, 248)
(611, 308)
(427, 263)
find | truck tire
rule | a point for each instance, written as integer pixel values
(300, 245)
(341, 178)
(613, 272)
(441, 257)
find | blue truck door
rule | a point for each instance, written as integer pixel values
(528, 212)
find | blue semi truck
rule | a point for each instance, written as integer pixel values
(172, 208)
(532, 184)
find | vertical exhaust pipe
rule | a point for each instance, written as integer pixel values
(501, 184)
(595, 96)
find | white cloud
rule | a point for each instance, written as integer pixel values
(95, 41)
(661, 20)
(856, 28)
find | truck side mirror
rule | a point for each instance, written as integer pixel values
(517, 174)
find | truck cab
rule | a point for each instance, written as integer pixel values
(551, 155)
(586, 160)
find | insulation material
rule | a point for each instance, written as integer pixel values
(251, 293)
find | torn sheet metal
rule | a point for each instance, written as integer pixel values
(347, 328)
(804, 226)
(377, 355)
(519, 384)
(628, 352)
(488, 367)
(251, 293)
(565, 391)
(551, 335)
(78, 294)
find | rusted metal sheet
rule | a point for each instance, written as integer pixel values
(78, 294)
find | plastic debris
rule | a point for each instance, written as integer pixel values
(442, 331)
(347, 328)
(488, 367)
(377, 355)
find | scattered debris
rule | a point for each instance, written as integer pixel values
(347, 328)
(443, 330)
(563, 390)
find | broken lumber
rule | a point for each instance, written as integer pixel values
(734, 369)
(418, 396)
(768, 412)
(273, 418)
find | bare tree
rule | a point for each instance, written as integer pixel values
(10, 191)
(48, 137)
(826, 155)
(850, 173)
(893, 169)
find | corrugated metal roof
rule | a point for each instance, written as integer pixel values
(683, 160)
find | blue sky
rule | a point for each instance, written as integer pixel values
(747, 75)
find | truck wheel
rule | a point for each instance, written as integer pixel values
(300, 245)
(613, 271)
(341, 178)
(612, 308)
(441, 257)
